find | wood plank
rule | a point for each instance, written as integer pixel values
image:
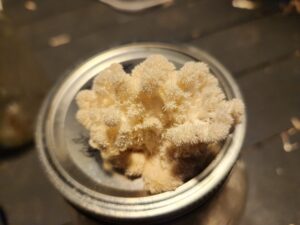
(76, 23)
(174, 24)
(27, 196)
(16, 11)
(272, 98)
(273, 182)
(185, 19)
(254, 43)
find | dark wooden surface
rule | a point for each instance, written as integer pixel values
(261, 48)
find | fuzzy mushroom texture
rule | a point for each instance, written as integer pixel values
(158, 122)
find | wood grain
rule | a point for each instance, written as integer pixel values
(272, 98)
(176, 24)
(45, 9)
(183, 20)
(273, 180)
(254, 43)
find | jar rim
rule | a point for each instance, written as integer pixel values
(146, 207)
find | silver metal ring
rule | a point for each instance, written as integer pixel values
(79, 178)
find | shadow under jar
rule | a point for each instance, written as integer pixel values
(69, 163)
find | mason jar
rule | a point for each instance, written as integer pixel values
(74, 169)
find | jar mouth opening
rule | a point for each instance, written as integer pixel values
(80, 190)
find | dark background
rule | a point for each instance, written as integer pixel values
(261, 48)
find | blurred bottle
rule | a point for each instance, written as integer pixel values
(136, 5)
(22, 88)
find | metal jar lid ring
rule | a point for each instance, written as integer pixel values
(62, 144)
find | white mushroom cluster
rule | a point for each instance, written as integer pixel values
(158, 122)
